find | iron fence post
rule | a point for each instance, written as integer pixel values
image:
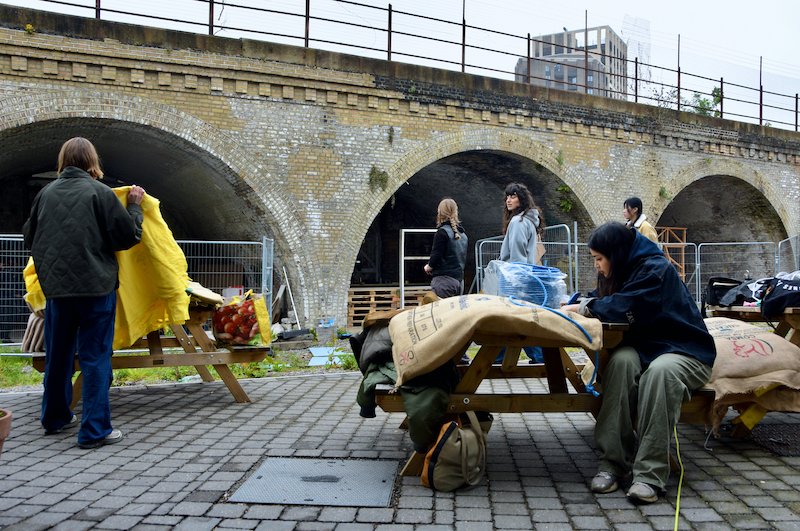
(210, 17)
(760, 104)
(463, 43)
(390, 34)
(529, 59)
(636, 80)
(97, 9)
(795, 112)
(721, 98)
(679, 89)
(308, 15)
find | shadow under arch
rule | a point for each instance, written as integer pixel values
(737, 173)
(722, 202)
(452, 149)
(41, 120)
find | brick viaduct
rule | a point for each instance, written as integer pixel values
(259, 138)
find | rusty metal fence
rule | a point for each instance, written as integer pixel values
(217, 265)
(384, 32)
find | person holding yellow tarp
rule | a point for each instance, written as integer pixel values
(84, 236)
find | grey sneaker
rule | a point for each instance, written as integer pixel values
(71, 424)
(604, 482)
(112, 438)
(642, 493)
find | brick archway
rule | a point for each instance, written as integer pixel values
(437, 148)
(278, 206)
(732, 168)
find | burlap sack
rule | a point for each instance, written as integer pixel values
(425, 337)
(753, 365)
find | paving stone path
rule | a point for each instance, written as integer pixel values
(188, 447)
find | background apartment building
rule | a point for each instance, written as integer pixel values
(558, 61)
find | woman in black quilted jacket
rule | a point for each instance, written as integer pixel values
(75, 227)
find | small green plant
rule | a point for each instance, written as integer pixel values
(169, 51)
(566, 198)
(391, 134)
(663, 193)
(707, 160)
(377, 179)
(413, 90)
(29, 29)
(560, 158)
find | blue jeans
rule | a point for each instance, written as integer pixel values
(85, 324)
(534, 353)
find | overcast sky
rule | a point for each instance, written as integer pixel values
(717, 38)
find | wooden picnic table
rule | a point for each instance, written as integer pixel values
(197, 350)
(558, 368)
(787, 323)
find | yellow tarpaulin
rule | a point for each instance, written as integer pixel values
(152, 279)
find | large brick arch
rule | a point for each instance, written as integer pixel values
(282, 213)
(732, 168)
(437, 148)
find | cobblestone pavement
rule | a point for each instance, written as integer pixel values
(187, 447)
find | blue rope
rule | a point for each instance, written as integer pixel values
(590, 388)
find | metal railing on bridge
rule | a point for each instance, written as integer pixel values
(707, 95)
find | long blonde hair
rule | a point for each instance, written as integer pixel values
(448, 211)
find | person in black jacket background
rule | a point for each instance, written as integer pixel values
(666, 353)
(75, 227)
(449, 252)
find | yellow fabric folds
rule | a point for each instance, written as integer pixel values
(152, 279)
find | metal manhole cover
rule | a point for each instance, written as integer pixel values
(327, 482)
(781, 439)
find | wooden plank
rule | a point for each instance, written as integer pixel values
(555, 377)
(414, 465)
(478, 368)
(510, 360)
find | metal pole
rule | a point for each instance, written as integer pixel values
(308, 18)
(679, 72)
(529, 58)
(463, 43)
(210, 17)
(390, 33)
(721, 98)
(795, 112)
(760, 104)
(97, 10)
(636, 80)
(586, 51)
(402, 269)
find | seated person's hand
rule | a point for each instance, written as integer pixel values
(569, 307)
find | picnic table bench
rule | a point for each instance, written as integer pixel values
(197, 350)
(558, 368)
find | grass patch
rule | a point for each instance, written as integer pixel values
(19, 371)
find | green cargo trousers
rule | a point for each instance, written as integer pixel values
(655, 395)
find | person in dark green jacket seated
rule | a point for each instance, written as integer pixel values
(76, 225)
(666, 353)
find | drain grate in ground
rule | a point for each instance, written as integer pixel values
(782, 439)
(329, 482)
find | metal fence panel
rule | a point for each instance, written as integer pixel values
(789, 255)
(736, 260)
(558, 252)
(214, 264)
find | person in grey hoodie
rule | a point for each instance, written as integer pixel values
(523, 225)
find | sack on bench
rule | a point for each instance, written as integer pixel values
(458, 457)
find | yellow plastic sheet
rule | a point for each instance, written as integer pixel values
(152, 279)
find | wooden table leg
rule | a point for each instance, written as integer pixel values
(77, 389)
(188, 346)
(555, 371)
(233, 384)
(414, 465)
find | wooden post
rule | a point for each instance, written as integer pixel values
(210, 17)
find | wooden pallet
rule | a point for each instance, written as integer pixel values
(363, 301)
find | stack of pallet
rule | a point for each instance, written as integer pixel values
(363, 301)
